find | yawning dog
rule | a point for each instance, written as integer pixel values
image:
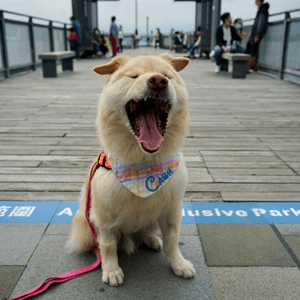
(142, 123)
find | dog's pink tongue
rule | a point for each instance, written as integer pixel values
(149, 134)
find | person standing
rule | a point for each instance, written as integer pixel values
(158, 38)
(259, 29)
(113, 31)
(137, 39)
(151, 39)
(78, 31)
(120, 37)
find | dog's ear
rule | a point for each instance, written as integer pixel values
(112, 66)
(178, 63)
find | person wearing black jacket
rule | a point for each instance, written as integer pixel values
(177, 41)
(259, 30)
(225, 35)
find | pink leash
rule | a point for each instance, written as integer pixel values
(75, 273)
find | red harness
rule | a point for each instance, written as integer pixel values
(101, 162)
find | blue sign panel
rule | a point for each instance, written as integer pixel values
(187, 214)
(27, 212)
(192, 212)
(247, 213)
(65, 212)
(280, 213)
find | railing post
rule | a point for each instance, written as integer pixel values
(3, 49)
(216, 12)
(66, 36)
(51, 36)
(284, 44)
(32, 44)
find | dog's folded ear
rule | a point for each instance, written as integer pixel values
(178, 63)
(112, 66)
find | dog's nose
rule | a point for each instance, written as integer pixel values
(158, 82)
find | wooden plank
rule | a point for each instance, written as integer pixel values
(47, 134)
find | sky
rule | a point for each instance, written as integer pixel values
(165, 14)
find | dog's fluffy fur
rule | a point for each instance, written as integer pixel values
(115, 210)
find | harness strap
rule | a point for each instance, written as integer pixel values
(103, 161)
(75, 273)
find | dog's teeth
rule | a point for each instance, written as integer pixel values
(145, 99)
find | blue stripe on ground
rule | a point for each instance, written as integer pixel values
(192, 212)
(27, 211)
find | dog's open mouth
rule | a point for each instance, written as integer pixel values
(148, 119)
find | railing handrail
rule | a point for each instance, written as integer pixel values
(276, 14)
(28, 16)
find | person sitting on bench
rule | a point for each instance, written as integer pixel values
(238, 25)
(225, 35)
(178, 40)
(74, 42)
(195, 45)
(97, 42)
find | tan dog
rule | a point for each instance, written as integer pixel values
(143, 117)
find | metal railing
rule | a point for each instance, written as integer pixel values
(22, 41)
(130, 42)
(279, 52)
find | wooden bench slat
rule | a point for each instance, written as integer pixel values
(236, 56)
(56, 55)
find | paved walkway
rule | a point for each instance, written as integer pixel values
(243, 146)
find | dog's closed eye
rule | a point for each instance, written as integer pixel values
(134, 77)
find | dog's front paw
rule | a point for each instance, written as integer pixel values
(154, 242)
(184, 268)
(113, 278)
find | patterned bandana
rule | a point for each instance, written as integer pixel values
(146, 178)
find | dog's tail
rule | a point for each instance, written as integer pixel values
(81, 238)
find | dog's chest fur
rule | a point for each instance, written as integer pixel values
(119, 208)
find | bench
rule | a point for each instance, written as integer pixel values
(239, 63)
(49, 62)
(178, 48)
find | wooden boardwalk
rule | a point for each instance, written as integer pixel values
(243, 143)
